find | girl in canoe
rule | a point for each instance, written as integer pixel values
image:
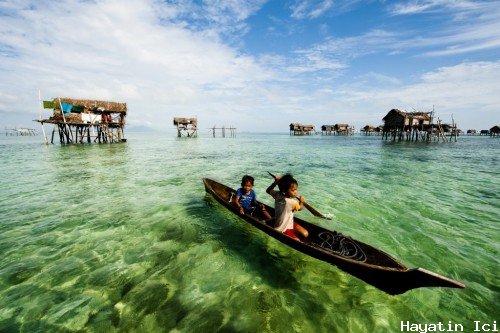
(246, 199)
(285, 203)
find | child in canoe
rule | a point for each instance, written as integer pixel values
(246, 199)
(285, 203)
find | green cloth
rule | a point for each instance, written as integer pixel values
(77, 108)
(49, 105)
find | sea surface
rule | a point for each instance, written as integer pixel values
(123, 238)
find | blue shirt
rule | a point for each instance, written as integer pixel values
(247, 201)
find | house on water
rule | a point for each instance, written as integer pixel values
(372, 130)
(343, 129)
(415, 126)
(327, 129)
(186, 127)
(337, 129)
(82, 120)
(495, 131)
(471, 132)
(299, 129)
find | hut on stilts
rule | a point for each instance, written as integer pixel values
(495, 131)
(327, 129)
(300, 129)
(337, 129)
(471, 132)
(415, 126)
(343, 129)
(369, 130)
(82, 120)
(187, 127)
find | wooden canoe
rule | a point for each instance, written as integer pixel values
(361, 260)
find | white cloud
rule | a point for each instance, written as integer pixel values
(214, 17)
(469, 91)
(335, 54)
(164, 63)
(472, 25)
(421, 6)
(379, 78)
(312, 9)
(116, 50)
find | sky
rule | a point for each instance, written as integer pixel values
(255, 65)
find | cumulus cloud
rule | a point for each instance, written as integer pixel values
(171, 58)
(124, 51)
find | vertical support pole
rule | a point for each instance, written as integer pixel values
(40, 116)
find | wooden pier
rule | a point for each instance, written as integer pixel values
(22, 131)
(187, 127)
(80, 120)
(232, 131)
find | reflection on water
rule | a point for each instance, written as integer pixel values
(123, 238)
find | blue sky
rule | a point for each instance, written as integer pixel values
(256, 65)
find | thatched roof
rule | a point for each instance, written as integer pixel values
(185, 121)
(404, 114)
(393, 113)
(495, 129)
(93, 105)
(301, 127)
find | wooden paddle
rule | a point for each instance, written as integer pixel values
(308, 207)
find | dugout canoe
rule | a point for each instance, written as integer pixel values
(361, 260)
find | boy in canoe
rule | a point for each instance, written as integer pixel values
(246, 199)
(285, 203)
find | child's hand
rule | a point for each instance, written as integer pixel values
(242, 211)
(302, 199)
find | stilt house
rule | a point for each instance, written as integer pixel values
(372, 130)
(299, 129)
(337, 129)
(327, 129)
(368, 130)
(342, 129)
(495, 130)
(398, 123)
(82, 120)
(186, 127)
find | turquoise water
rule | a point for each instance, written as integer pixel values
(122, 237)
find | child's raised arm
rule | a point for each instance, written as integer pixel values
(271, 187)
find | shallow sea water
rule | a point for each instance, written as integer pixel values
(122, 237)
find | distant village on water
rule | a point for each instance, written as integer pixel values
(94, 121)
